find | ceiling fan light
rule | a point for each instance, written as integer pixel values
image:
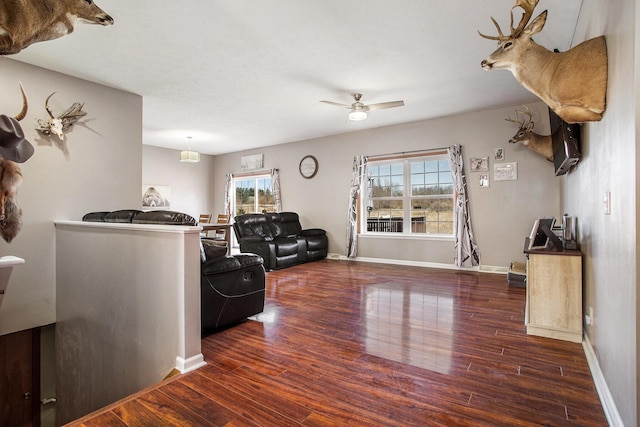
(357, 115)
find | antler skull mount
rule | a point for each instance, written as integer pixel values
(58, 125)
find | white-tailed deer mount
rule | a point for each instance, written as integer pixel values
(541, 144)
(25, 22)
(572, 83)
(58, 125)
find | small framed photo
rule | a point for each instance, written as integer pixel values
(505, 171)
(156, 196)
(484, 181)
(479, 164)
(498, 154)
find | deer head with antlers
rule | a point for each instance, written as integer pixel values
(29, 21)
(540, 144)
(58, 125)
(572, 83)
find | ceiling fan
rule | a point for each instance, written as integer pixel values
(359, 110)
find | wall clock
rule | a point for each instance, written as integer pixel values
(308, 166)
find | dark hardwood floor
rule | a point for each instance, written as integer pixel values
(357, 344)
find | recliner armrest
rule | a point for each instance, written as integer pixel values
(313, 232)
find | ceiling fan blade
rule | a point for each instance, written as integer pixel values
(337, 104)
(382, 105)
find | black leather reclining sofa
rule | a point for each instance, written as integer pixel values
(279, 239)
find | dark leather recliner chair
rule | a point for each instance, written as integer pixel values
(279, 239)
(232, 287)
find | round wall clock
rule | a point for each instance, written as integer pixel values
(308, 166)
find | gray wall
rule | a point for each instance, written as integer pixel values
(502, 214)
(609, 242)
(96, 167)
(190, 183)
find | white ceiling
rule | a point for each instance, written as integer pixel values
(242, 74)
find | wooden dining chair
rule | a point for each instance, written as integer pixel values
(222, 219)
(205, 219)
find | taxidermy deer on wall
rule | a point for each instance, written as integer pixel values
(572, 83)
(23, 22)
(537, 143)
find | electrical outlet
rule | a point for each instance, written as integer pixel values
(607, 203)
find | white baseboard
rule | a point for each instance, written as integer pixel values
(608, 404)
(190, 364)
(482, 268)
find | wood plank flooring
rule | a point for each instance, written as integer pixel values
(357, 344)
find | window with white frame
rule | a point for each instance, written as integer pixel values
(254, 193)
(409, 195)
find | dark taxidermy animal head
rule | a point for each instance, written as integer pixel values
(10, 212)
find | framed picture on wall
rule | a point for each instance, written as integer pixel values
(156, 196)
(479, 164)
(505, 171)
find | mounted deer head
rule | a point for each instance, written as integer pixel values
(572, 83)
(57, 125)
(540, 144)
(30, 21)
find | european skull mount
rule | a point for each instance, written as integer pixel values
(58, 125)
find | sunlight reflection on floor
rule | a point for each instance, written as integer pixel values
(400, 322)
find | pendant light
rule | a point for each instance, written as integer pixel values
(189, 156)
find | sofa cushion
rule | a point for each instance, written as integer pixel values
(95, 216)
(252, 225)
(123, 215)
(212, 249)
(164, 217)
(284, 224)
(286, 246)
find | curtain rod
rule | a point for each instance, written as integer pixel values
(403, 153)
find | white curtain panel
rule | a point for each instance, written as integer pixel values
(466, 249)
(357, 181)
(275, 187)
(228, 194)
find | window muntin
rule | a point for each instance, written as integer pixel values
(253, 194)
(409, 196)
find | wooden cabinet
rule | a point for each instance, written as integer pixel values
(554, 295)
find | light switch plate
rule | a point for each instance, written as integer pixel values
(607, 203)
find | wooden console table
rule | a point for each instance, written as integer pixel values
(554, 294)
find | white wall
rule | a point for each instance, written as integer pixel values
(502, 214)
(190, 183)
(97, 167)
(609, 241)
(125, 322)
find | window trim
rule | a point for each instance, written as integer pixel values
(244, 177)
(406, 158)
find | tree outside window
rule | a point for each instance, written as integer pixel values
(253, 194)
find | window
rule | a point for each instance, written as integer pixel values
(253, 194)
(411, 195)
